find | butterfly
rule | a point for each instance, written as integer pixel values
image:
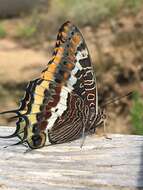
(62, 104)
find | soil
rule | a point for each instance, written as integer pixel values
(19, 64)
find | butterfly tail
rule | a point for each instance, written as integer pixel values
(10, 111)
(17, 129)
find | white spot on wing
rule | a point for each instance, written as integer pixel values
(61, 107)
(82, 54)
(75, 70)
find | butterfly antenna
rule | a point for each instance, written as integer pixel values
(116, 99)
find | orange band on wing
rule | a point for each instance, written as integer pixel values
(75, 40)
(48, 74)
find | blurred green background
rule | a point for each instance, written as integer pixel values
(113, 31)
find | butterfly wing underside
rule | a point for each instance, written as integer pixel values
(63, 99)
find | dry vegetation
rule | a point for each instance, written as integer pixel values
(113, 31)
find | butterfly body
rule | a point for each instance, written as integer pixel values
(63, 100)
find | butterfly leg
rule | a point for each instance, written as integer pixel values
(83, 137)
